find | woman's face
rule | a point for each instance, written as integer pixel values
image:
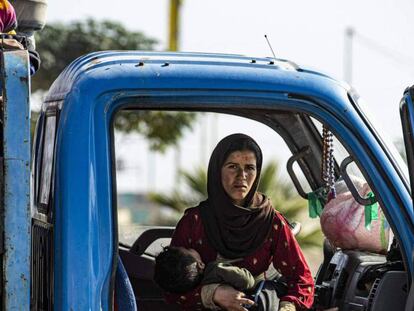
(238, 174)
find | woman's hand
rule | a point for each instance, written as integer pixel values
(230, 299)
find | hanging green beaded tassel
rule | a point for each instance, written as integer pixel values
(318, 198)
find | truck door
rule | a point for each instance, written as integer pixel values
(407, 120)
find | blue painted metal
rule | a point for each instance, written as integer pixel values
(17, 218)
(407, 101)
(94, 87)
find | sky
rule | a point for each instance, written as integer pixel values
(307, 32)
(310, 33)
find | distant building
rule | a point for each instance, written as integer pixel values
(137, 209)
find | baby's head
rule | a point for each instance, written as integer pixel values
(178, 269)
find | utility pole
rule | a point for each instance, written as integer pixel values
(174, 31)
(348, 51)
(173, 45)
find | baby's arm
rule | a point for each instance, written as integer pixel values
(239, 278)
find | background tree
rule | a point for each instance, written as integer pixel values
(59, 44)
(179, 201)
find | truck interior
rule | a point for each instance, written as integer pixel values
(348, 278)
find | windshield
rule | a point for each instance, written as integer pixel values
(383, 136)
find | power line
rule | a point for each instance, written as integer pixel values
(389, 53)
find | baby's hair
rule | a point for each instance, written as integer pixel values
(175, 271)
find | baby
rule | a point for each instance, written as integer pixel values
(179, 270)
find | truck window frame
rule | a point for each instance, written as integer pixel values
(46, 159)
(37, 147)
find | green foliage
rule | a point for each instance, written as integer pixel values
(34, 115)
(197, 183)
(162, 128)
(284, 198)
(178, 201)
(310, 238)
(59, 44)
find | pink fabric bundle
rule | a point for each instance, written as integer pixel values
(8, 20)
(343, 223)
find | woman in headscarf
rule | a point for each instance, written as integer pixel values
(237, 224)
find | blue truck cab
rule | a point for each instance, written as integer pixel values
(75, 248)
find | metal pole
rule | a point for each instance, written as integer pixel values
(173, 42)
(173, 45)
(349, 36)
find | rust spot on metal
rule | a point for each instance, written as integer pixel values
(24, 79)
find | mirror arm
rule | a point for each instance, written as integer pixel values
(350, 184)
(301, 154)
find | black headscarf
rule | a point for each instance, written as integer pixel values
(235, 231)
